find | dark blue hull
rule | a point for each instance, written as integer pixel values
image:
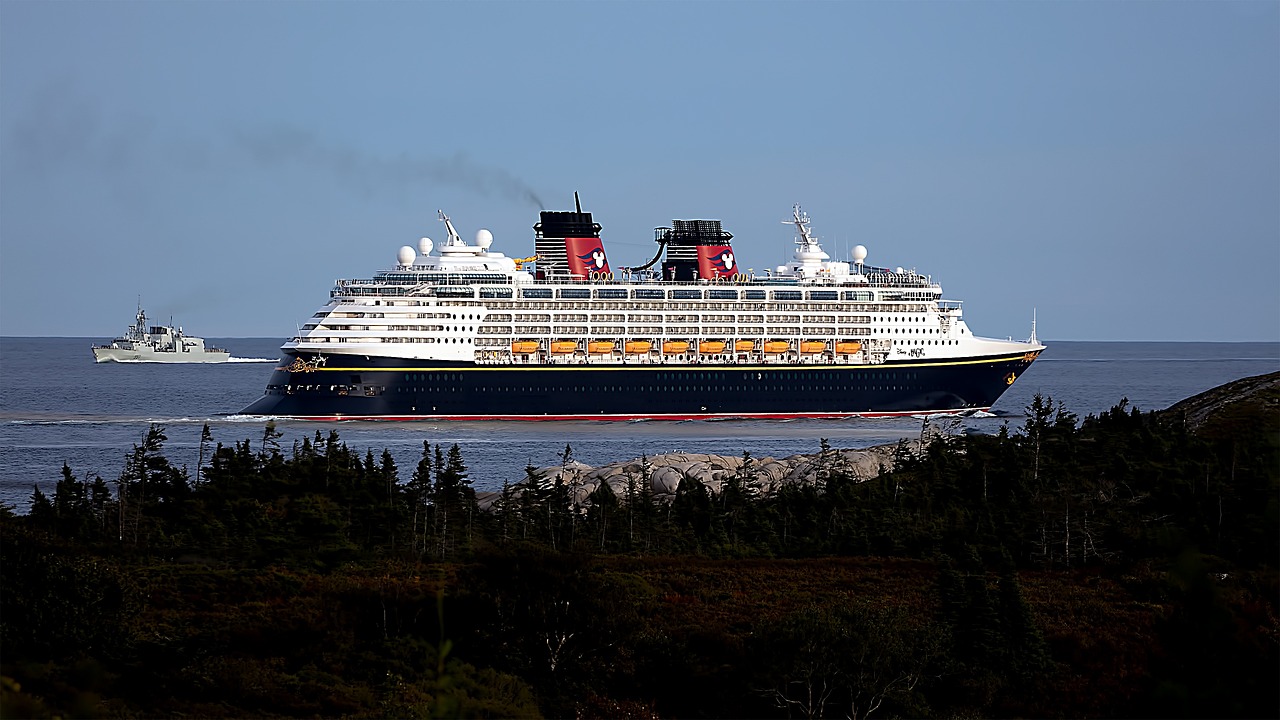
(390, 389)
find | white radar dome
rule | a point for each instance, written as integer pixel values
(484, 238)
(406, 256)
(424, 246)
(859, 253)
(898, 270)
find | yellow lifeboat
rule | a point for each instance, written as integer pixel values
(745, 345)
(636, 347)
(848, 348)
(524, 347)
(563, 348)
(599, 347)
(812, 347)
(675, 347)
(710, 347)
(777, 346)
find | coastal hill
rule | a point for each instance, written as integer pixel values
(1220, 411)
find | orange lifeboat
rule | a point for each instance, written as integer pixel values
(599, 347)
(675, 347)
(524, 347)
(777, 346)
(710, 347)
(563, 348)
(744, 345)
(848, 348)
(636, 347)
(812, 347)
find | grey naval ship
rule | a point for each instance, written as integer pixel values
(157, 343)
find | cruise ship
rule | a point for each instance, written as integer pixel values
(462, 332)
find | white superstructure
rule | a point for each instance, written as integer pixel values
(467, 303)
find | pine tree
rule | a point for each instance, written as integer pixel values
(418, 493)
(535, 497)
(271, 438)
(691, 508)
(72, 508)
(454, 499)
(570, 477)
(391, 478)
(506, 509)
(152, 495)
(206, 438)
(738, 494)
(41, 514)
(647, 506)
(603, 506)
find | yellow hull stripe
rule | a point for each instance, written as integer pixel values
(664, 366)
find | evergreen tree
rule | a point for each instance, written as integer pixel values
(631, 495)
(72, 507)
(152, 495)
(691, 510)
(41, 514)
(271, 438)
(506, 511)
(534, 492)
(391, 513)
(418, 493)
(206, 438)
(602, 507)
(737, 499)
(646, 507)
(454, 500)
(572, 480)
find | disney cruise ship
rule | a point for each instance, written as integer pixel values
(469, 333)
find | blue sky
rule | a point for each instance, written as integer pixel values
(1114, 166)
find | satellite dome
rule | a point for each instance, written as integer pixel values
(484, 238)
(406, 256)
(859, 253)
(898, 270)
(424, 246)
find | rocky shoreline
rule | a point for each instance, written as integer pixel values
(666, 471)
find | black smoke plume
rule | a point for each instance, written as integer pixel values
(292, 146)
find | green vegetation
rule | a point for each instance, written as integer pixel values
(1116, 566)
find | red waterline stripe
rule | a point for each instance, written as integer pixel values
(622, 418)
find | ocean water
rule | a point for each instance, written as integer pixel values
(57, 405)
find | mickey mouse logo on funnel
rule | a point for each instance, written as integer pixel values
(716, 261)
(585, 256)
